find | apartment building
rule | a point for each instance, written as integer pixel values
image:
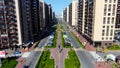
(70, 14)
(118, 17)
(74, 12)
(67, 20)
(20, 22)
(96, 20)
(65, 14)
(45, 14)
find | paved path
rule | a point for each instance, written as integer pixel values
(59, 53)
(102, 65)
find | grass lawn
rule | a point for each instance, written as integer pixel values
(63, 42)
(72, 61)
(114, 47)
(81, 45)
(9, 63)
(45, 61)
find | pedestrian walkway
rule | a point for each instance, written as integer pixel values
(96, 56)
(21, 62)
(87, 45)
(102, 65)
(59, 53)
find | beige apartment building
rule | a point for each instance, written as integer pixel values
(74, 12)
(96, 20)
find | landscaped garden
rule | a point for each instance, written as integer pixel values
(72, 61)
(114, 47)
(9, 63)
(45, 61)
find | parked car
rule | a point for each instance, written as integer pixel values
(110, 57)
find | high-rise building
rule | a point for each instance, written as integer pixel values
(118, 17)
(13, 27)
(70, 14)
(96, 20)
(74, 12)
(19, 22)
(45, 14)
(65, 14)
(67, 20)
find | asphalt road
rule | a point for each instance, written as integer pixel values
(104, 54)
(86, 59)
(43, 42)
(32, 58)
(73, 40)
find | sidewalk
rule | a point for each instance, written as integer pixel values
(102, 65)
(21, 62)
(83, 40)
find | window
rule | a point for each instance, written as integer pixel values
(114, 1)
(109, 9)
(110, 43)
(111, 26)
(108, 14)
(111, 33)
(104, 20)
(103, 26)
(103, 32)
(113, 13)
(113, 20)
(102, 38)
(110, 38)
(110, 1)
(105, 1)
(105, 9)
(108, 21)
(106, 38)
(105, 43)
(107, 31)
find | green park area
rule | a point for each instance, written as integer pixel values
(45, 61)
(9, 63)
(72, 61)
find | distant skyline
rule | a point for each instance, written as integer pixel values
(58, 5)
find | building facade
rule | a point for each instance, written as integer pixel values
(96, 20)
(118, 17)
(74, 12)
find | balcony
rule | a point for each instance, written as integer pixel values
(13, 32)
(4, 35)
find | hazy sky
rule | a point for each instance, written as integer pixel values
(58, 5)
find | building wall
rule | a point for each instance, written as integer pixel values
(67, 14)
(96, 20)
(70, 14)
(118, 17)
(74, 12)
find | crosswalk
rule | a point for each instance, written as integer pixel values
(38, 49)
(96, 56)
(77, 49)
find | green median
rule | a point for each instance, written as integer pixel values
(72, 61)
(45, 61)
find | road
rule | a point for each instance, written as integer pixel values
(73, 40)
(86, 59)
(104, 54)
(34, 55)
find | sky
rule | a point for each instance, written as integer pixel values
(58, 5)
